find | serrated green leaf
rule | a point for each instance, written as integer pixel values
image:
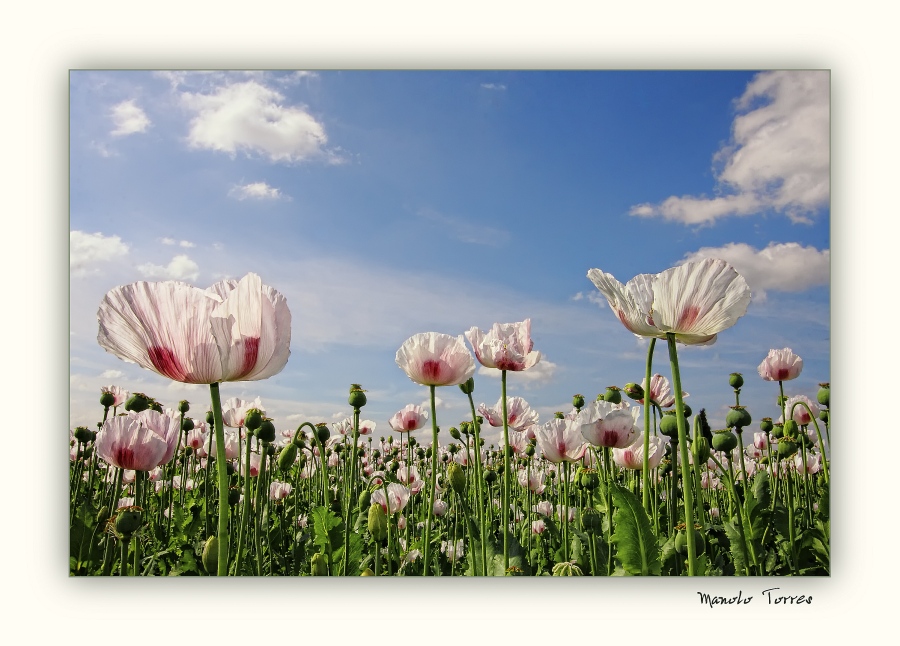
(762, 490)
(636, 545)
(739, 557)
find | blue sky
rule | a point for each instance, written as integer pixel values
(383, 204)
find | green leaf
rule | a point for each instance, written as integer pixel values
(740, 558)
(762, 490)
(636, 544)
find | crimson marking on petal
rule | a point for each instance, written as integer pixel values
(166, 363)
(431, 371)
(688, 317)
(782, 374)
(124, 457)
(251, 352)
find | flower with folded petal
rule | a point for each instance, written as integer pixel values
(632, 456)
(433, 359)
(800, 414)
(398, 495)
(120, 395)
(603, 424)
(279, 490)
(561, 440)
(138, 441)
(520, 416)
(233, 331)
(507, 346)
(780, 365)
(411, 418)
(234, 410)
(660, 392)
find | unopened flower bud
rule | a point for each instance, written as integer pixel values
(378, 521)
(287, 457)
(823, 415)
(210, 418)
(634, 391)
(210, 556)
(234, 496)
(701, 446)
(457, 478)
(824, 394)
(317, 565)
(454, 433)
(681, 542)
(687, 410)
(138, 402)
(735, 380)
(367, 572)
(468, 386)
(365, 498)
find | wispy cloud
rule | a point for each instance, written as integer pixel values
(251, 118)
(778, 157)
(594, 297)
(180, 268)
(493, 86)
(187, 244)
(786, 267)
(128, 118)
(88, 249)
(256, 191)
(466, 231)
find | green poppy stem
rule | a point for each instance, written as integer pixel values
(645, 479)
(222, 467)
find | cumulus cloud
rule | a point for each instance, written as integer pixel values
(87, 249)
(540, 373)
(128, 119)
(252, 118)
(778, 157)
(180, 268)
(785, 267)
(112, 374)
(255, 191)
(594, 297)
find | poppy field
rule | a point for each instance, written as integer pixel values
(631, 481)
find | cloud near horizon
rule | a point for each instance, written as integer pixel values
(778, 158)
(180, 268)
(87, 249)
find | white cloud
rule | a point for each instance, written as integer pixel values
(786, 267)
(295, 77)
(128, 119)
(778, 157)
(255, 191)
(538, 375)
(594, 297)
(180, 268)
(466, 231)
(493, 86)
(252, 118)
(112, 374)
(86, 249)
(187, 244)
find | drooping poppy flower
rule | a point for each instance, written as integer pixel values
(780, 365)
(433, 359)
(233, 331)
(507, 346)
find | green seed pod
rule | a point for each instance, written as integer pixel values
(229, 469)
(824, 394)
(287, 457)
(317, 565)
(701, 446)
(367, 572)
(529, 450)
(187, 424)
(83, 434)
(183, 406)
(457, 478)
(234, 496)
(210, 418)
(253, 419)
(765, 425)
(738, 417)
(634, 391)
(210, 556)
(735, 380)
(681, 542)
(468, 386)
(687, 410)
(490, 476)
(322, 433)
(566, 568)
(107, 399)
(357, 398)
(137, 402)
(613, 395)
(668, 425)
(591, 521)
(778, 431)
(128, 520)
(589, 479)
(724, 441)
(378, 522)
(791, 429)
(578, 401)
(823, 415)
